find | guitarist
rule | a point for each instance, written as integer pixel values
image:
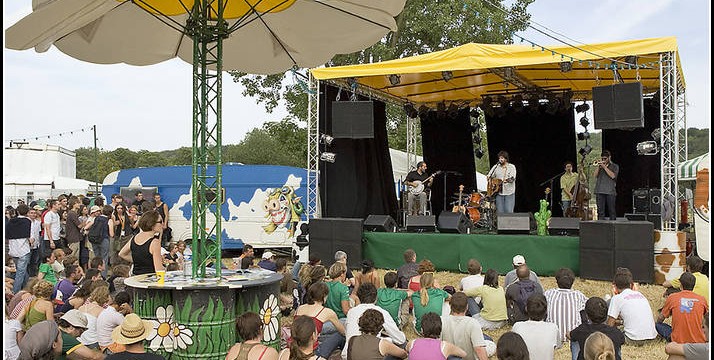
(413, 180)
(504, 174)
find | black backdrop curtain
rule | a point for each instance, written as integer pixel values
(360, 182)
(538, 144)
(448, 146)
(636, 171)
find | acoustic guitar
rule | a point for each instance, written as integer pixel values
(419, 186)
(494, 186)
(460, 208)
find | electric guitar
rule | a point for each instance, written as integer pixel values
(418, 186)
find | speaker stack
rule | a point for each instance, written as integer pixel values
(328, 235)
(564, 226)
(454, 222)
(380, 223)
(421, 223)
(646, 206)
(515, 223)
(606, 245)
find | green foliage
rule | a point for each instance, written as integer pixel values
(697, 142)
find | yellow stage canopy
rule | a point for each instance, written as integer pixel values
(478, 70)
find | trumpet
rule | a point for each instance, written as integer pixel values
(596, 163)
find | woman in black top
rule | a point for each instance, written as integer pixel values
(144, 249)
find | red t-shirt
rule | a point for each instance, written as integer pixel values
(687, 310)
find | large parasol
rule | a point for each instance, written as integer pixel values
(253, 36)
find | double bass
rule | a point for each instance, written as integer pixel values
(581, 195)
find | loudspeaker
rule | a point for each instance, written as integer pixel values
(597, 264)
(328, 235)
(634, 235)
(353, 119)
(656, 220)
(618, 106)
(421, 223)
(454, 222)
(597, 234)
(655, 201)
(513, 223)
(640, 263)
(606, 245)
(380, 223)
(640, 201)
(636, 217)
(568, 226)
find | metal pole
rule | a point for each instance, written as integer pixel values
(96, 162)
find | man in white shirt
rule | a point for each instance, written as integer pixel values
(503, 174)
(52, 227)
(464, 331)
(633, 308)
(367, 295)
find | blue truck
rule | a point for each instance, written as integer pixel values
(264, 205)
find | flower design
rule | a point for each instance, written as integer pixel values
(182, 336)
(269, 314)
(161, 334)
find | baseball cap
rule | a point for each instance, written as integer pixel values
(94, 208)
(38, 207)
(75, 318)
(268, 255)
(519, 260)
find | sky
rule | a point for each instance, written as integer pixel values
(149, 107)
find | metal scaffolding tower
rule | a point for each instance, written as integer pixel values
(671, 94)
(313, 150)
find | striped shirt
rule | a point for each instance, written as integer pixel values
(564, 307)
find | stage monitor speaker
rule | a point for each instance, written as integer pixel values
(353, 119)
(380, 223)
(636, 217)
(513, 223)
(568, 226)
(328, 235)
(597, 264)
(640, 201)
(454, 222)
(618, 106)
(421, 223)
(655, 201)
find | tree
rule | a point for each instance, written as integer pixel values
(424, 26)
(697, 142)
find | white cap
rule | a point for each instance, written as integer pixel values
(268, 255)
(519, 260)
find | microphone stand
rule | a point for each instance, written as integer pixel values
(550, 182)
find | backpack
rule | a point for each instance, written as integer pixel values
(95, 231)
(517, 309)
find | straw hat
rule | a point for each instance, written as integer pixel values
(95, 208)
(75, 318)
(132, 330)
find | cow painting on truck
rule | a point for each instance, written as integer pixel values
(263, 204)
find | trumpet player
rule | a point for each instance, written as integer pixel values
(605, 186)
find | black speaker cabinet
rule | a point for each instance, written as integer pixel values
(421, 223)
(636, 217)
(380, 223)
(655, 201)
(640, 201)
(597, 234)
(597, 264)
(513, 223)
(634, 235)
(656, 220)
(328, 235)
(353, 119)
(618, 106)
(567, 226)
(640, 263)
(454, 222)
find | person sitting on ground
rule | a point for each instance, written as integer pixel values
(474, 280)
(701, 286)
(66, 287)
(98, 299)
(367, 294)
(511, 346)
(541, 337)
(97, 262)
(424, 266)
(72, 325)
(392, 299)
(339, 297)
(428, 299)
(565, 305)
(341, 256)
(268, 261)
(303, 334)
(250, 328)
(288, 294)
(116, 281)
(39, 309)
(596, 312)
(512, 277)
(598, 346)
(111, 318)
(131, 334)
(430, 347)
(408, 270)
(45, 272)
(41, 342)
(57, 265)
(315, 309)
(367, 345)
(687, 310)
(316, 274)
(633, 308)
(93, 274)
(464, 331)
(368, 274)
(517, 295)
(493, 314)
(21, 299)
(690, 351)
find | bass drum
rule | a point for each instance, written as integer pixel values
(474, 214)
(475, 200)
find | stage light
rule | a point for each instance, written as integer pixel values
(477, 138)
(479, 153)
(423, 112)
(583, 136)
(518, 102)
(486, 102)
(410, 110)
(474, 113)
(566, 66)
(328, 157)
(447, 75)
(326, 139)
(503, 101)
(584, 107)
(657, 134)
(553, 104)
(475, 127)
(584, 121)
(647, 148)
(395, 79)
(631, 60)
(453, 111)
(441, 107)
(585, 150)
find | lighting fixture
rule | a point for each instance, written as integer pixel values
(395, 79)
(326, 139)
(479, 153)
(328, 157)
(447, 75)
(647, 148)
(584, 121)
(583, 136)
(410, 110)
(657, 134)
(585, 150)
(584, 107)
(453, 111)
(566, 66)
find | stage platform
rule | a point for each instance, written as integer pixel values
(451, 252)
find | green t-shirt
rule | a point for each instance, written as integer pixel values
(49, 273)
(390, 300)
(339, 292)
(567, 182)
(493, 301)
(435, 304)
(69, 344)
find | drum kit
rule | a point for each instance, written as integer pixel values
(479, 208)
